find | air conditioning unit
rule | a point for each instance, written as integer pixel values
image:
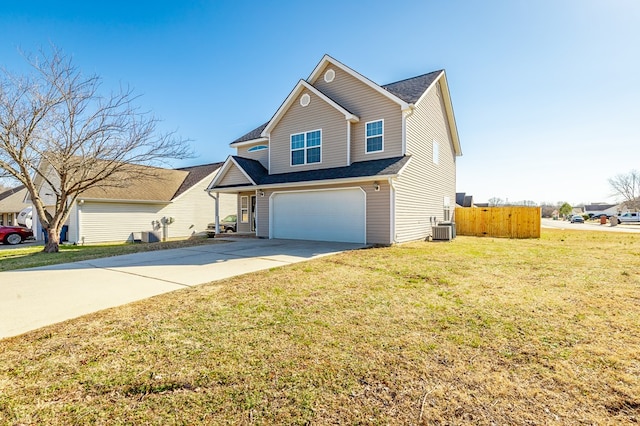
(441, 233)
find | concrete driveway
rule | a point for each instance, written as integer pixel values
(33, 298)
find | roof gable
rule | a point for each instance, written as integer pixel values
(406, 93)
(7, 193)
(229, 166)
(12, 200)
(315, 74)
(448, 110)
(297, 91)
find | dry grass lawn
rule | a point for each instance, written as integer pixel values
(476, 331)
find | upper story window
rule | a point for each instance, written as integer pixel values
(306, 148)
(436, 152)
(374, 136)
(257, 148)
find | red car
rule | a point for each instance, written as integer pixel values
(14, 234)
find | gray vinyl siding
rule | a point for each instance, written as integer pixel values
(377, 216)
(262, 156)
(262, 214)
(421, 188)
(369, 105)
(318, 115)
(233, 176)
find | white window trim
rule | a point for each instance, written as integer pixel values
(257, 148)
(243, 199)
(366, 151)
(446, 204)
(305, 148)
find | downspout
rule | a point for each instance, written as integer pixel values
(392, 213)
(348, 143)
(268, 156)
(217, 210)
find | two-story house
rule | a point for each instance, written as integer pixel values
(345, 159)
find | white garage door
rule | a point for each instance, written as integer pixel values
(331, 215)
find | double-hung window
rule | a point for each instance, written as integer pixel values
(374, 136)
(306, 148)
(436, 152)
(244, 209)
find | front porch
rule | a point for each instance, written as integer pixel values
(247, 208)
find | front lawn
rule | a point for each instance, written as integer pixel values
(476, 331)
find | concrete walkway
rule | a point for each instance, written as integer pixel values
(33, 298)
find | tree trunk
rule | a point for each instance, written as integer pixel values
(53, 241)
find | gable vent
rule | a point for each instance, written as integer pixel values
(329, 75)
(305, 100)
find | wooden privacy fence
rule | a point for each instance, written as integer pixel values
(501, 222)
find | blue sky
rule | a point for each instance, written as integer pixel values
(545, 93)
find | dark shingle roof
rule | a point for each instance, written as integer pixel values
(410, 89)
(254, 134)
(598, 207)
(196, 174)
(11, 191)
(362, 169)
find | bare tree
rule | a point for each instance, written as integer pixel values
(60, 135)
(496, 202)
(548, 209)
(627, 186)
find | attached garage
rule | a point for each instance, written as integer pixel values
(321, 215)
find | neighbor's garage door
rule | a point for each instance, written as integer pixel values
(328, 215)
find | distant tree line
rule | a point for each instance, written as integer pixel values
(497, 202)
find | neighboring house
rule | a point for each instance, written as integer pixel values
(123, 213)
(344, 159)
(11, 203)
(600, 209)
(628, 206)
(577, 211)
(464, 200)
